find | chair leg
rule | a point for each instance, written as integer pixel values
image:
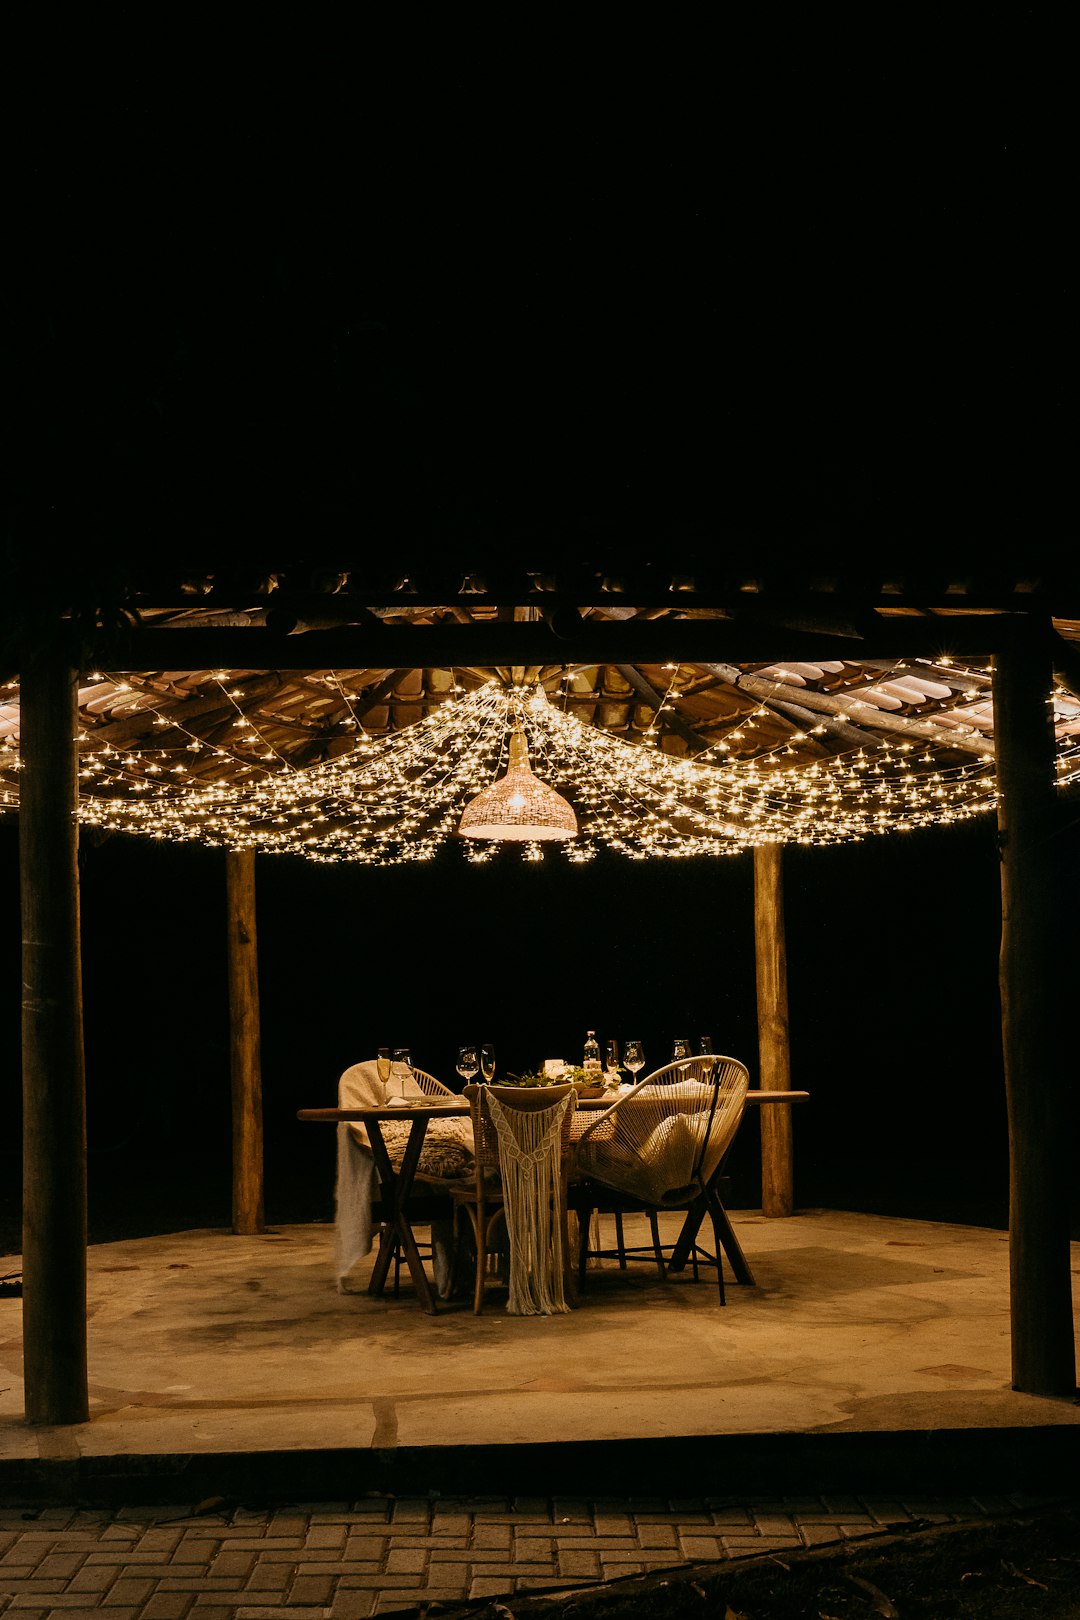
(584, 1223)
(476, 1220)
(458, 1276)
(619, 1243)
(657, 1246)
(491, 1220)
(455, 1252)
(569, 1269)
(480, 1227)
(711, 1200)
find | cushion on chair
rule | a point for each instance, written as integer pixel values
(447, 1151)
(657, 1171)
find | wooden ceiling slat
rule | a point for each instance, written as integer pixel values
(184, 711)
(844, 706)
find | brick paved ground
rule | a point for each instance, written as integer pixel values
(345, 1561)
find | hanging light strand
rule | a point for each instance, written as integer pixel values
(400, 797)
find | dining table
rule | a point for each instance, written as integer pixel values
(396, 1183)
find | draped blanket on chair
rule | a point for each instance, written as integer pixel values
(447, 1153)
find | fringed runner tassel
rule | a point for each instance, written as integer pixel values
(530, 1163)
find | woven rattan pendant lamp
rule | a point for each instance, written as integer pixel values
(518, 808)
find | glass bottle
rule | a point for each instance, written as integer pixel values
(591, 1060)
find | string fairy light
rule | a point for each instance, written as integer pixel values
(399, 798)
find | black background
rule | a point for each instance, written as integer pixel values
(627, 327)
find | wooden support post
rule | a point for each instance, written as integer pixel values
(244, 1044)
(774, 1052)
(1033, 998)
(54, 1078)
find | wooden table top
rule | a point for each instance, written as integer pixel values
(458, 1108)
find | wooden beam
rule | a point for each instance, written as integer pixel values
(770, 689)
(854, 736)
(245, 1051)
(54, 1086)
(774, 1050)
(737, 596)
(180, 710)
(1033, 1000)
(492, 644)
(671, 719)
(960, 680)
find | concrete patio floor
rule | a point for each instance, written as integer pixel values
(868, 1344)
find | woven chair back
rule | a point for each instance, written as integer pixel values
(523, 1132)
(665, 1138)
(515, 1101)
(360, 1087)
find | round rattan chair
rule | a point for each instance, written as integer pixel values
(661, 1147)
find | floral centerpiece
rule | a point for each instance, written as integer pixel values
(588, 1085)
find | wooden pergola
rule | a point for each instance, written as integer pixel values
(825, 665)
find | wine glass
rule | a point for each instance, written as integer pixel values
(634, 1057)
(396, 1088)
(611, 1062)
(487, 1062)
(468, 1062)
(680, 1049)
(383, 1063)
(705, 1046)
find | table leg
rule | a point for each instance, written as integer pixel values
(684, 1244)
(740, 1266)
(396, 1186)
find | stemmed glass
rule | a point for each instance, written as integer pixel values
(487, 1062)
(634, 1057)
(468, 1062)
(383, 1063)
(396, 1088)
(705, 1046)
(611, 1062)
(680, 1048)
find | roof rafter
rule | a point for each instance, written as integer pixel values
(844, 707)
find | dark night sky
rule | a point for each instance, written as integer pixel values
(589, 335)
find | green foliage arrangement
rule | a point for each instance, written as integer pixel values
(576, 1075)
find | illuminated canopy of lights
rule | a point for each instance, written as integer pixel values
(401, 797)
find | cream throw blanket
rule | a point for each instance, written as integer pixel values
(357, 1184)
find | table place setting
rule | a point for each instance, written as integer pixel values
(407, 1142)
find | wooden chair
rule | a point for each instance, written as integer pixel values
(521, 1147)
(661, 1147)
(446, 1154)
